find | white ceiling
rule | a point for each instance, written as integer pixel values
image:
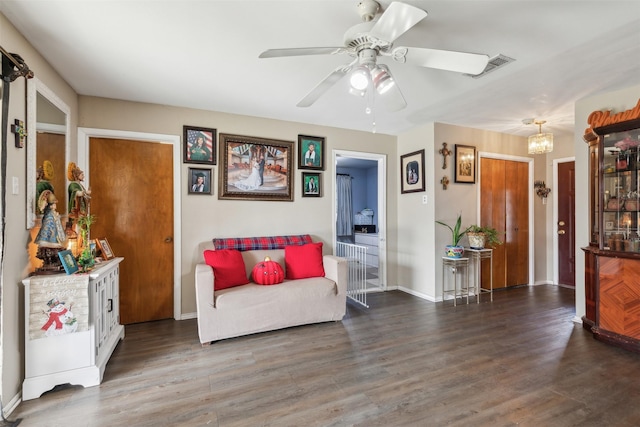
(204, 54)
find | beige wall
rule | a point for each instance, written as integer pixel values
(617, 101)
(204, 218)
(16, 262)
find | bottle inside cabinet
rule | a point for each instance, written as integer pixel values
(620, 195)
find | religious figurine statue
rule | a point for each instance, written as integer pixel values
(445, 152)
(44, 175)
(51, 237)
(79, 197)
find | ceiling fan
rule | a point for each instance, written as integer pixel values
(369, 40)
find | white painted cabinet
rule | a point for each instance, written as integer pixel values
(72, 326)
(370, 240)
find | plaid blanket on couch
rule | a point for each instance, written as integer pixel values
(255, 243)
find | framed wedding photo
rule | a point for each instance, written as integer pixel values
(199, 145)
(255, 168)
(105, 248)
(311, 184)
(200, 181)
(465, 164)
(68, 261)
(311, 152)
(412, 172)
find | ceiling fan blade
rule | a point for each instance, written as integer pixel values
(396, 20)
(392, 97)
(325, 85)
(300, 51)
(462, 62)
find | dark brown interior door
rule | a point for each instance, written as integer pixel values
(132, 199)
(566, 224)
(504, 206)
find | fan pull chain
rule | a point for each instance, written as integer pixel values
(370, 109)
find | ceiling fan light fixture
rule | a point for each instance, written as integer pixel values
(359, 78)
(540, 143)
(382, 79)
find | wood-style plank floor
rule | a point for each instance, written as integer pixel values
(519, 360)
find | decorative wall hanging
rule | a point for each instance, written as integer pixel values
(311, 184)
(412, 172)
(445, 182)
(255, 168)
(200, 181)
(310, 152)
(465, 164)
(445, 152)
(21, 132)
(199, 145)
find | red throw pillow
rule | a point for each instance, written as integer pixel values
(228, 268)
(304, 261)
(267, 272)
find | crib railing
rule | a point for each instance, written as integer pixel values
(356, 256)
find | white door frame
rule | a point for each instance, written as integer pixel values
(381, 159)
(84, 134)
(554, 228)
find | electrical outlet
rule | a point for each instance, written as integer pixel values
(424, 200)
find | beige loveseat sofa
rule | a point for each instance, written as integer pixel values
(252, 308)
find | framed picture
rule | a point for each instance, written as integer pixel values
(199, 145)
(311, 184)
(104, 247)
(255, 168)
(310, 152)
(412, 172)
(199, 181)
(465, 163)
(68, 261)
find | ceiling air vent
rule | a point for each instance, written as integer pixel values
(494, 63)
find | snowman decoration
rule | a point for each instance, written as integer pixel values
(60, 321)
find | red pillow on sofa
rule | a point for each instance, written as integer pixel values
(228, 268)
(302, 261)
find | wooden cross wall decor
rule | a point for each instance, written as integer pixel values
(21, 132)
(445, 152)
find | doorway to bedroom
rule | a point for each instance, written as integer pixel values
(360, 206)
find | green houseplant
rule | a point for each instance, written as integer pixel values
(483, 236)
(454, 250)
(85, 259)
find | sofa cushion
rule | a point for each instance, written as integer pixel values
(261, 243)
(304, 261)
(228, 268)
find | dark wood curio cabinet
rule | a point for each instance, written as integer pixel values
(612, 259)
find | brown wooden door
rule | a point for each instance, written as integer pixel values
(566, 224)
(504, 206)
(132, 198)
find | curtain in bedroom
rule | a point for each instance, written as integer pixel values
(345, 209)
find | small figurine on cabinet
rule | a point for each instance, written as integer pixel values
(44, 175)
(79, 197)
(51, 237)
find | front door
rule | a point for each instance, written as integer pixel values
(132, 199)
(566, 224)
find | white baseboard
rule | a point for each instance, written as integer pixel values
(186, 316)
(419, 294)
(13, 404)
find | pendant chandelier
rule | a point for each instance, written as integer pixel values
(540, 143)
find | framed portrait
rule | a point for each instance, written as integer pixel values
(255, 168)
(311, 152)
(68, 261)
(311, 184)
(199, 181)
(105, 248)
(412, 172)
(199, 145)
(465, 164)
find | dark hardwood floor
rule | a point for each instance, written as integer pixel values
(519, 360)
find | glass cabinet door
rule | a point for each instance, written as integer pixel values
(619, 193)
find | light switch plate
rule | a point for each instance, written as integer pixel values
(15, 183)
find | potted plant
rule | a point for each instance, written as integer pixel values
(482, 236)
(454, 250)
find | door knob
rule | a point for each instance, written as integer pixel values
(560, 231)
(168, 239)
